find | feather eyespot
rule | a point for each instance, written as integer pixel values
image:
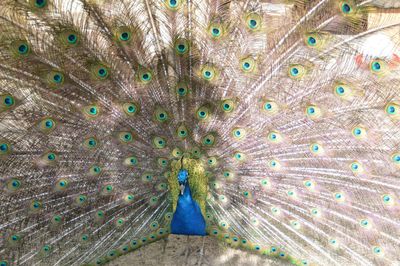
(13, 185)
(95, 170)
(297, 71)
(270, 107)
(50, 157)
(159, 142)
(208, 140)
(317, 149)
(212, 161)
(125, 137)
(181, 89)
(131, 161)
(248, 64)
(396, 158)
(47, 125)
(39, 3)
(378, 67)
(227, 105)
(173, 4)
(239, 156)
(130, 108)
(377, 251)
(144, 75)
(359, 132)
(7, 101)
(203, 113)
(208, 73)
(275, 137)
(313, 112)
(182, 132)
(216, 31)
(274, 165)
(91, 111)
(125, 36)
(128, 198)
(181, 46)
(346, 8)
(69, 38)
(253, 21)
(72, 38)
(161, 115)
(392, 109)
(55, 78)
(387, 199)
(80, 200)
(35, 206)
(61, 184)
(239, 133)
(5, 148)
(196, 152)
(20, 48)
(177, 152)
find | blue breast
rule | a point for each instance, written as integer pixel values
(187, 219)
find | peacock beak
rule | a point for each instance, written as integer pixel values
(182, 187)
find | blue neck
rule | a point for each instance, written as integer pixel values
(188, 219)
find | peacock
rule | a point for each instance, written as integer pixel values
(272, 126)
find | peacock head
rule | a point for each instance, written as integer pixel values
(182, 179)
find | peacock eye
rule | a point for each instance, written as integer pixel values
(247, 64)
(387, 199)
(40, 3)
(311, 41)
(317, 149)
(57, 219)
(392, 110)
(6, 101)
(95, 170)
(161, 115)
(239, 133)
(377, 251)
(216, 31)
(274, 137)
(125, 36)
(4, 148)
(147, 177)
(20, 48)
(253, 21)
(130, 161)
(13, 185)
(173, 4)
(313, 112)
(203, 113)
(181, 46)
(378, 67)
(62, 184)
(128, 198)
(212, 161)
(177, 152)
(346, 8)
(144, 75)
(125, 137)
(182, 132)
(159, 142)
(35, 206)
(72, 38)
(297, 71)
(227, 105)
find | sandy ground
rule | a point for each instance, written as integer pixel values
(183, 250)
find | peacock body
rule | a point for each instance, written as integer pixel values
(277, 120)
